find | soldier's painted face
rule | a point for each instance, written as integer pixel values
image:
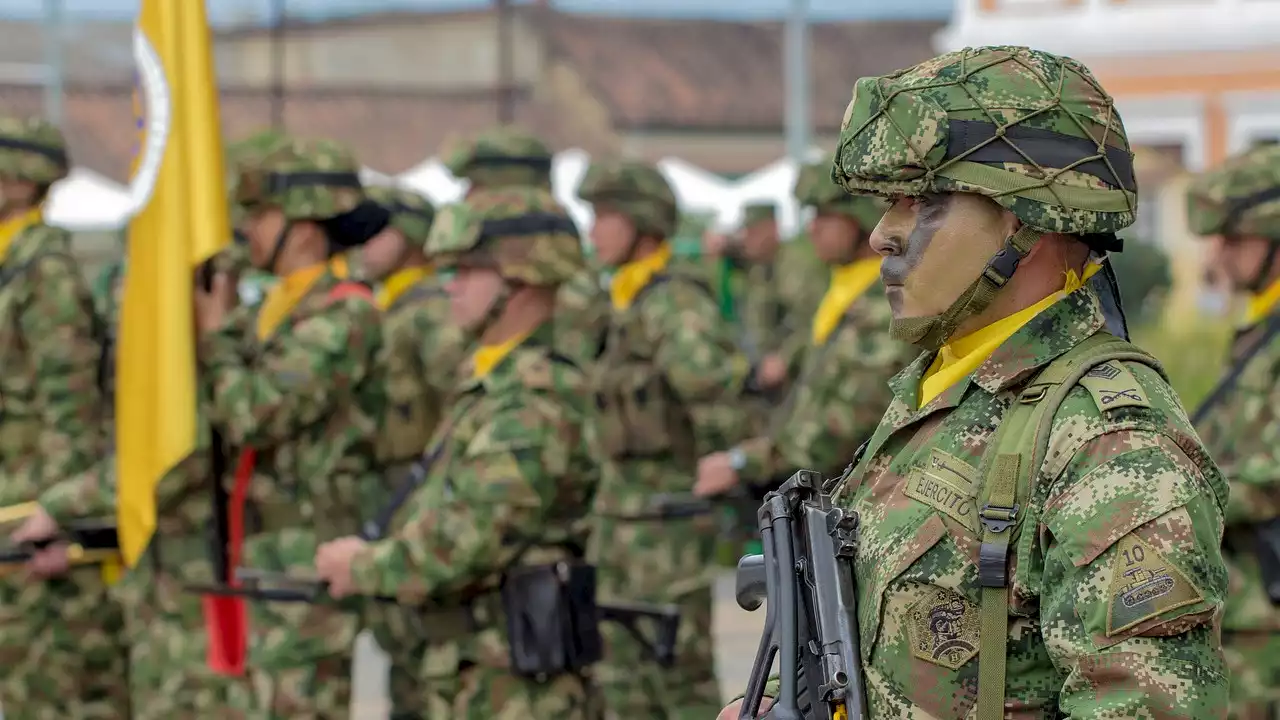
(612, 236)
(1240, 259)
(835, 237)
(384, 252)
(934, 246)
(472, 292)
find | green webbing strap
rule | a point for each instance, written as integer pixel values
(1019, 447)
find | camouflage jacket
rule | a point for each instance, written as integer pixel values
(307, 401)
(1125, 496)
(838, 398)
(582, 314)
(669, 377)
(422, 352)
(1240, 432)
(777, 306)
(512, 476)
(52, 415)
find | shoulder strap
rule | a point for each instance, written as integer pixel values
(1224, 386)
(669, 275)
(1016, 452)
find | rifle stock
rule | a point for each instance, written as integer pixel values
(805, 579)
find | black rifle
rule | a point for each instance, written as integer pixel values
(811, 622)
(284, 588)
(89, 542)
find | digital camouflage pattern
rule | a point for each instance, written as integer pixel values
(1241, 431)
(1232, 199)
(307, 400)
(838, 399)
(995, 121)
(32, 149)
(1117, 580)
(635, 189)
(814, 188)
(669, 388)
(513, 464)
(499, 157)
(60, 641)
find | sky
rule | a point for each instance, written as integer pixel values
(229, 11)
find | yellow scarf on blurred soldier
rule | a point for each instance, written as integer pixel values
(13, 227)
(631, 278)
(400, 281)
(848, 283)
(285, 295)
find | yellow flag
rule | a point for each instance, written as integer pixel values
(179, 192)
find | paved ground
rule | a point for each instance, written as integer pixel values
(737, 633)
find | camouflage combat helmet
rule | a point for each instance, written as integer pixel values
(753, 213)
(499, 157)
(411, 213)
(1242, 197)
(815, 189)
(1034, 132)
(246, 151)
(522, 232)
(306, 179)
(635, 189)
(32, 149)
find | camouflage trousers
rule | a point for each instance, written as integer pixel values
(656, 562)
(404, 643)
(1254, 661)
(169, 678)
(300, 654)
(62, 650)
(490, 693)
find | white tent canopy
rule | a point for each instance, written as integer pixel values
(85, 200)
(567, 169)
(433, 179)
(698, 190)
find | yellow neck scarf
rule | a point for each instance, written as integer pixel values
(848, 283)
(13, 227)
(487, 357)
(285, 295)
(963, 355)
(399, 281)
(632, 277)
(1260, 305)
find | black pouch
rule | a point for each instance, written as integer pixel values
(1267, 536)
(552, 619)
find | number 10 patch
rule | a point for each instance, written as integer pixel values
(1144, 585)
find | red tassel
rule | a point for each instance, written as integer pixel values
(226, 619)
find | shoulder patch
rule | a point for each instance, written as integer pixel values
(943, 628)
(1143, 586)
(1113, 386)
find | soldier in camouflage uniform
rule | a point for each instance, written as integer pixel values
(1237, 206)
(1024, 430)
(168, 671)
(296, 387)
(61, 644)
(422, 350)
(510, 157)
(669, 384)
(843, 387)
(511, 472)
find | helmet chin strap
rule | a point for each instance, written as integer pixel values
(933, 332)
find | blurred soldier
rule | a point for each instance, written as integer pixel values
(61, 644)
(1039, 525)
(843, 388)
(422, 349)
(669, 384)
(510, 157)
(296, 387)
(1237, 206)
(511, 474)
(169, 677)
